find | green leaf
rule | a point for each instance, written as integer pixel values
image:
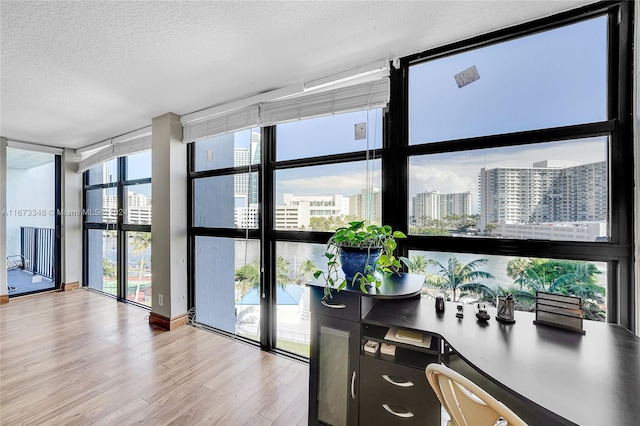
(317, 274)
(399, 234)
(363, 288)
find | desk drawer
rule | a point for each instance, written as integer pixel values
(392, 394)
(344, 305)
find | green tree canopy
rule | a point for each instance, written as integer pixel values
(456, 276)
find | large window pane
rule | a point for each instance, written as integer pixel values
(106, 172)
(229, 201)
(551, 191)
(137, 204)
(480, 277)
(139, 267)
(139, 166)
(102, 260)
(227, 282)
(296, 263)
(355, 131)
(102, 205)
(553, 78)
(323, 198)
(231, 150)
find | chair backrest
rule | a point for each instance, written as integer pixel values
(466, 402)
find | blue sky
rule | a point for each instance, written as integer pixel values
(561, 80)
(553, 78)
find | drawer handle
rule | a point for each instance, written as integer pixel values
(353, 385)
(329, 305)
(406, 415)
(406, 384)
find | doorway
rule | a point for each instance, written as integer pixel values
(33, 225)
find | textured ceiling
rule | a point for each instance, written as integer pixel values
(21, 159)
(73, 73)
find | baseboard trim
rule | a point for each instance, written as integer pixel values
(4, 298)
(168, 323)
(69, 286)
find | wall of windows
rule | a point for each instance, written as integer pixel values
(517, 178)
(506, 159)
(224, 231)
(117, 226)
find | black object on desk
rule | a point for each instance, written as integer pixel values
(548, 376)
(439, 303)
(459, 310)
(481, 312)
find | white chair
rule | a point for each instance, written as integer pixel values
(467, 403)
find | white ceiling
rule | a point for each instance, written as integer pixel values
(21, 159)
(73, 73)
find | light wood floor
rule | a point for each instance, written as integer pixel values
(80, 358)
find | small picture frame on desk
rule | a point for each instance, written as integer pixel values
(557, 310)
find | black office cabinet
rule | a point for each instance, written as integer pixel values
(335, 351)
(394, 388)
(394, 394)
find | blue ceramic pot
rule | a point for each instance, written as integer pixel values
(354, 259)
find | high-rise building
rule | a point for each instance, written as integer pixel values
(246, 188)
(296, 211)
(548, 192)
(366, 205)
(433, 205)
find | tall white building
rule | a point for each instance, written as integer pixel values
(137, 210)
(366, 205)
(245, 185)
(296, 211)
(433, 205)
(548, 192)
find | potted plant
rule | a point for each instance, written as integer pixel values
(364, 253)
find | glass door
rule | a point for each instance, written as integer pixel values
(33, 198)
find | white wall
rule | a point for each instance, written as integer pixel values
(30, 201)
(169, 226)
(71, 222)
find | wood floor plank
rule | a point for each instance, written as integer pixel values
(295, 412)
(80, 358)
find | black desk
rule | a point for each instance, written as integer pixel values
(559, 376)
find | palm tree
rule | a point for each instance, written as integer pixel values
(282, 271)
(517, 268)
(141, 241)
(564, 277)
(455, 276)
(307, 269)
(108, 268)
(419, 264)
(248, 277)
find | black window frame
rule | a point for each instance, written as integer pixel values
(618, 252)
(396, 151)
(120, 227)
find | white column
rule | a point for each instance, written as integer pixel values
(169, 223)
(4, 291)
(71, 220)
